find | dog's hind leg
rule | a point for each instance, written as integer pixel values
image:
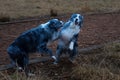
(58, 53)
(26, 62)
(25, 66)
(73, 52)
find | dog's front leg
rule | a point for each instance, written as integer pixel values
(73, 41)
(43, 49)
(74, 52)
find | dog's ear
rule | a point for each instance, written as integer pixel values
(82, 18)
(72, 17)
(81, 21)
(55, 24)
(52, 24)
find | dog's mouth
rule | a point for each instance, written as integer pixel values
(76, 22)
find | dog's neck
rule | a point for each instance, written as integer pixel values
(70, 31)
(74, 28)
(72, 25)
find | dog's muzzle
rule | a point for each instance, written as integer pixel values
(76, 22)
(61, 25)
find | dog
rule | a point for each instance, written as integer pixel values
(68, 37)
(33, 40)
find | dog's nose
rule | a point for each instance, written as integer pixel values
(76, 20)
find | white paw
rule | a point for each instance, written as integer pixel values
(54, 57)
(55, 63)
(31, 74)
(71, 45)
(19, 68)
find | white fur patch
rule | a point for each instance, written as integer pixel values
(44, 25)
(20, 68)
(69, 32)
(31, 74)
(54, 57)
(71, 45)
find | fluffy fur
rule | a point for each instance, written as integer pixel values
(68, 37)
(33, 40)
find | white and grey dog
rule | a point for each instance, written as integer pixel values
(68, 37)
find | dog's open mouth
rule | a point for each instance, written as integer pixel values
(76, 22)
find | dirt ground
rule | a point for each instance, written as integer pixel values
(98, 29)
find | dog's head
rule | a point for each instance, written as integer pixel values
(77, 19)
(55, 24)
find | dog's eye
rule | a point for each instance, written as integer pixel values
(52, 23)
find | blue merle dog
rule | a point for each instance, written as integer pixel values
(68, 37)
(33, 40)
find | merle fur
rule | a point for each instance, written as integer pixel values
(33, 40)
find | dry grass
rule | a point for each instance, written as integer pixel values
(30, 8)
(21, 76)
(87, 72)
(100, 66)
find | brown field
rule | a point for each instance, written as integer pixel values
(31, 8)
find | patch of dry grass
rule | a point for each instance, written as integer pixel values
(30, 8)
(87, 72)
(21, 76)
(104, 65)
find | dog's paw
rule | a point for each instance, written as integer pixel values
(55, 63)
(20, 69)
(31, 75)
(54, 57)
(71, 45)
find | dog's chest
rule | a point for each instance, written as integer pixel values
(70, 32)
